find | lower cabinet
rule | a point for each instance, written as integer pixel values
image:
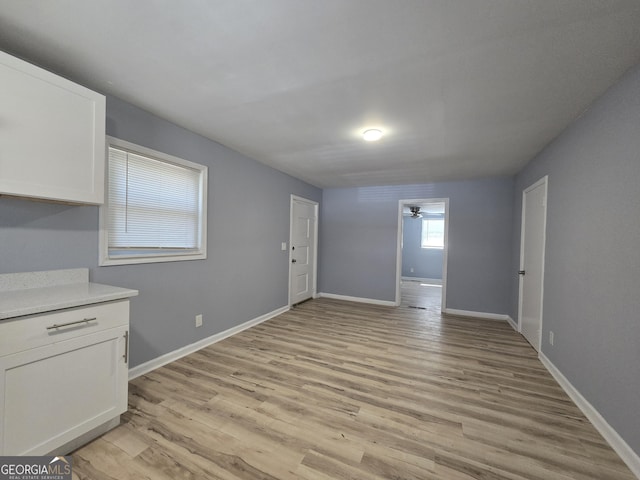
(60, 389)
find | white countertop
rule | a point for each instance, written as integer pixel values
(17, 302)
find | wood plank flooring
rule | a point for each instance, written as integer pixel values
(338, 390)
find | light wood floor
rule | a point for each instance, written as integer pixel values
(338, 390)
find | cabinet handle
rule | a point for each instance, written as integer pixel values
(126, 347)
(77, 322)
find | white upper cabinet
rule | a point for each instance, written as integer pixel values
(52, 135)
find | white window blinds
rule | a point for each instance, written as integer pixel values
(153, 205)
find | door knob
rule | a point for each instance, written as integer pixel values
(293, 260)
(520, 272)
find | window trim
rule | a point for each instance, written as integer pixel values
(201, 253)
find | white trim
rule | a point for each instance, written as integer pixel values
(468, 313)
(445, 250)
(314, 279)
(544, 181)
(156, 258)
(205, 342)
(616, 442)
(347, 298)
(513, 324)
(433, 281)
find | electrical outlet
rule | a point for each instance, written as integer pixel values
(411, 269)
(198, 320)
(551, 338)
(283, 246)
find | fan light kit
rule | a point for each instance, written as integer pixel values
(372, 135)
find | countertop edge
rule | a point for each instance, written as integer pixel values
(107, 293)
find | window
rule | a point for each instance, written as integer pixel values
(432, 233)
(155, 209)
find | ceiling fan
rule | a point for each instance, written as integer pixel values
(415, 212)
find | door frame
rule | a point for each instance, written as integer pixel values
(543, 181)
(445, 250)
(314, 253)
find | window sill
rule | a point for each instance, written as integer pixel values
(134, 260)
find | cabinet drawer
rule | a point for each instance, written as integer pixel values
(34, 331)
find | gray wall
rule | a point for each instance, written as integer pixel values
(592, 265)
(358, 238)
(244, 276)
(426, 262)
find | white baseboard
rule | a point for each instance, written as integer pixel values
(193, 347)
(347, 298)
(513, 324)
(483, 315)
(621, 447)
(432, 281)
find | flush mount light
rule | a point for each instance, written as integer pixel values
(372, 135)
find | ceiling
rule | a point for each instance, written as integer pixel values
(460, 88)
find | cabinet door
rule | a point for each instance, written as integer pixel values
(52, 135)
(53, 394)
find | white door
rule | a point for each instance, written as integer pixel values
(534, 219)
(303, 239)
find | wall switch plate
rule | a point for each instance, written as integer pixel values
(551, 339)
(283, 246)
(411, 269)
(199, 320)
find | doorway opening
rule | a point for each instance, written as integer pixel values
(421, 268)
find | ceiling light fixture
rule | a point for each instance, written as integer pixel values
(372, 135)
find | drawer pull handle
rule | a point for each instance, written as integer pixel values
(126, 347)
(77, 322)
